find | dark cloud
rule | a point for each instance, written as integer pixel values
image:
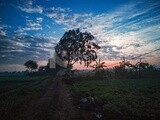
(135, 45)
(17, 50)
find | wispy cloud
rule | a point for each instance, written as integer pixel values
(3, 29)
(128, 28)
(2, 33)
(12, 67)
(28, 6)
(24, 47)
(128, 31)
(128, 25)
(39, 19)
(30, 26)
(35, 9)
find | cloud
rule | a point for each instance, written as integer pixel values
(131, 31)
(127, 30)
(30, 26)
(3, 29)
(56, 12)
(11, 67)
(30, 23)
(39, 19)
(25, 47)
(59, 9)
(2, 33)
(29, 7)
(64, 17)
(36, 9)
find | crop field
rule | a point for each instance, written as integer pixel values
(16, 93)
(131, 99)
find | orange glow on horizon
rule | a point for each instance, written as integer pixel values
(109, 64)
(112, 64)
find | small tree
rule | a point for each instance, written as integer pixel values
(31, 65)
(76, 46)
(141, 66)
(99, 68)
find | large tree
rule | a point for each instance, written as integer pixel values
(31, 65)
(76, 46)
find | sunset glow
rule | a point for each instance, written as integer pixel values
(30, 29)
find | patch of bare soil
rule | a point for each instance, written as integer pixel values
(56, 104)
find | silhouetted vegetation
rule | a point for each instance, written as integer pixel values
(142, 69)
(99, 69)
(76, 46)
(122, 99)
(112, 90)
(31, 65)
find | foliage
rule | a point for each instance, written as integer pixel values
(31, 65)
(98, 66)
(140, 69)
(100, 74)
(76, 46)
(126, 99)
(99, 69)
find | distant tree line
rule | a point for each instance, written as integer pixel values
(74, 47)
(78, 47)
(138, 70)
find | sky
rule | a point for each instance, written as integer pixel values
(30, 29)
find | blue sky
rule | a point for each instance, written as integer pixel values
(29, 29)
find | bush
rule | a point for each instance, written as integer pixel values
(100, 74)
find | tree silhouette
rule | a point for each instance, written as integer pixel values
(125, 64)
(99, 69)
(142, 66)
(98, 66)
(119, 70)
(76, 46)
(31, 65)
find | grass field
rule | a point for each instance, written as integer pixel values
(16, 93)
(137, 99)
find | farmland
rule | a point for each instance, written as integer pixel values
(125, 99)
(136, 99)
(16, 93)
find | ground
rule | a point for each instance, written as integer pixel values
(55, 104)
(45, 98)
(124, 99)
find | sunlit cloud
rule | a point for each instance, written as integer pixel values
(130, 29)
(32, 9)
(39, 19)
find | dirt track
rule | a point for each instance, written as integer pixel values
(56, 104)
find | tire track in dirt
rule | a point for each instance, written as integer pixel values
(56, 104)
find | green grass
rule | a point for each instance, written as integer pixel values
(128, 99)
(18, 92)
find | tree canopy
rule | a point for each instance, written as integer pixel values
(76, 46)
(31, 65)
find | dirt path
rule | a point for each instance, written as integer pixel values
(56, 104)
